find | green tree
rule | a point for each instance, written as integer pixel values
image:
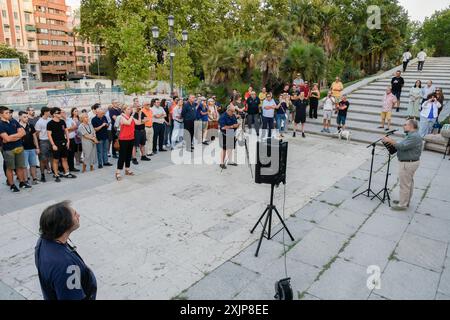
(183, 69)
(7, 52)
(305, 58)
(435, 33)
(134, 61)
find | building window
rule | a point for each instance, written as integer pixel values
(4, 14)
(17, 28)
(16, 16)
(42, 30)
(43, 42)
(32, 55)
(27, 17)
(8, 42)
(32, 68)
(6, 27)
(18, 41)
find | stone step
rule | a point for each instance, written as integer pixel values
(378, 93)
(355, 125)
(410, 82)
(373, 103)
(375, 111)
(356, 136)
(376, 97)
(354, 115)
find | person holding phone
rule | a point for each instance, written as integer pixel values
(429, 115)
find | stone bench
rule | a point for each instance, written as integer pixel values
(435, 142)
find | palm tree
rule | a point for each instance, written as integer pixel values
(222, 63)
(273, 43)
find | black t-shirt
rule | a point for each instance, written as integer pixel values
(253, 105)
(58, 130)
(139, 126)
(343, 112)
(101, 134)
(397, 84)
(28, 141)
(301, 105)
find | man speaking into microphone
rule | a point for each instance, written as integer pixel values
(408, 153)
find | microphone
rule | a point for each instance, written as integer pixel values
(391, 132)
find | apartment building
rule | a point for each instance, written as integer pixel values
(17, 29)
(55, 40)
(85, 52)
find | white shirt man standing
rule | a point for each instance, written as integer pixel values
(421, 56)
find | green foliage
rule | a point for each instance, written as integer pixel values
(435, 33)
(305, 58)
(182, 66)
(7, 52)
(254, 41)
(107, 66)
(134, 62)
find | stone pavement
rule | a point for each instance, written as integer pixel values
(154, 235)
(339, 242)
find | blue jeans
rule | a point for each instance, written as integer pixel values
(281, 122)
(426, 126)
(267, 123)
(30, 158)
(102, 152)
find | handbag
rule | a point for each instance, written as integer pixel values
(116, 145)
(17, 150)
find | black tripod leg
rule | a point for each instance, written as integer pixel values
(262, 233)
(260, 218)
(284, 225)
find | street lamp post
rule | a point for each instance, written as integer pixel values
(171, 41)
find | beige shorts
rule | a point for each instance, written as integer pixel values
(386, 116)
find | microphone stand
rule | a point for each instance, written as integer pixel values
(369, 192)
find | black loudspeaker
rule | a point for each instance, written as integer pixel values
(271, 162)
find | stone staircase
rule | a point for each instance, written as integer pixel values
(365, 100)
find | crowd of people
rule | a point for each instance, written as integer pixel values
(426, 103)
(62, 143)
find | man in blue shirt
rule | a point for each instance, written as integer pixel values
(189, 115)
(63, 275)
(11, 133)
(228, 124)
(100, 124)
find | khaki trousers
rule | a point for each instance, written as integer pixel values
(406, 176)
(149, 138)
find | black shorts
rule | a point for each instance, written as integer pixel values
(62, 151)
(223, 142)
(139, 138)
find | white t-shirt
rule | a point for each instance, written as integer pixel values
(329, 104)
(41, 126)
(69, 124)
(177, 113)
(407, 56)
(270, 112)
(421, 56)
(158, 111)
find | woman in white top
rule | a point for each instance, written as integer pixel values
(415, 99)
(177, 132)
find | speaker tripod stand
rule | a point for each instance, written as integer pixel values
(268, 222)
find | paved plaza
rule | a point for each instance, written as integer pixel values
(182, 231)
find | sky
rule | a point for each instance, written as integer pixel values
(417, 9)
